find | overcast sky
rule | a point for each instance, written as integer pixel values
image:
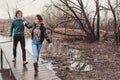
(32, 7)
(27, 6)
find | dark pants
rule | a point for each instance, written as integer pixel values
(16, 39)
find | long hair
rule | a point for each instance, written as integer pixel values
(39, 17)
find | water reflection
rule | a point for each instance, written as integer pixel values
(4, 38)
(6, 74)
(73, 54)
(60, 49)
(28, 47)
(28, 42)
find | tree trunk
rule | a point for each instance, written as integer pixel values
(115, 23)
(98, 21)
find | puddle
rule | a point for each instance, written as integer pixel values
(60, 49)
(5, 75)
(74, 54)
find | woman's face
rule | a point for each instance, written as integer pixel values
(37, 20)
(19, 15)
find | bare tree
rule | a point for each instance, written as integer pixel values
(98, 20)
(7, 9)
(54, 18)
(115, 21)
(11, 10)
(77, 12)
(114, 8)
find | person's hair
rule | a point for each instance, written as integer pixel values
(39, 17)
(17, 12)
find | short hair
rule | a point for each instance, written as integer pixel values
(17, 12)
(39, 17)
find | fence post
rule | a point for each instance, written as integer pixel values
(1, 57)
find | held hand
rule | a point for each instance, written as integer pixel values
(50, 45)
(24, 23)
(10, 38)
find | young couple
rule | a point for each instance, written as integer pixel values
(38, 34)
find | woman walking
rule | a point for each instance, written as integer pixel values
(18, 27)
(38, 33)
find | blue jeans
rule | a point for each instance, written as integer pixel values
(36, 47)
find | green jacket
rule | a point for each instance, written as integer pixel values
(18, 27)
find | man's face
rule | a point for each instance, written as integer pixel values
(19, 15)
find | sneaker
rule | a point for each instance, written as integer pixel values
(25, 62)
(14, 60)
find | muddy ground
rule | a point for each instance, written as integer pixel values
(103, 56)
